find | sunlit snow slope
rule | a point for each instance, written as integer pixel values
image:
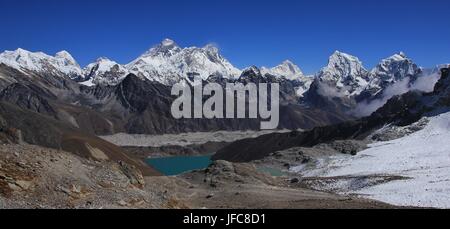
(423, 156)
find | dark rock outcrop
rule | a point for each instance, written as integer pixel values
(28, 97)
(134, 175)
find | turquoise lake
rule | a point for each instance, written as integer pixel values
(271, 171)
(171, 166)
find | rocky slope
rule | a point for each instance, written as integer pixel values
(43, 130)
(144, 108)
(35, 177)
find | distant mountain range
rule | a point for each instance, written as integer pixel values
(344, 85)
(167, 63)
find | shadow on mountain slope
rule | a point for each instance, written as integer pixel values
(41, 130)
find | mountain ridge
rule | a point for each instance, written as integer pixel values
(343, 84)
(339, 65)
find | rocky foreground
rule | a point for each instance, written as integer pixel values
(36, 177)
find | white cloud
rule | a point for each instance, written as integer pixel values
(424, 83)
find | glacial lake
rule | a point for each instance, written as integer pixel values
(171, 166)
(271, 171)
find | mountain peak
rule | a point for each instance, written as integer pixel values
(394, 61)
(338, 56)
(401, 56)
(251, 70)
(103, 59)
(287, 62)
(393, 69)
(21, 50)
(68, 59)
(286, 69)
(343, 65)
(104, 71)
(293, 67)
(345, 73)
(63, 54)
(336, 53)
(211, 48)
(167, 47)
(168, 63)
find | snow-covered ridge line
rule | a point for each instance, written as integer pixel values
(61, 64)
(286, 69)
(167, 63)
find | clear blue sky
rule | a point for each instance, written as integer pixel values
(248, 32)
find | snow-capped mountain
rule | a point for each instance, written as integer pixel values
(104, 72)
(168, 63)
(62, 64)
(251, 71)
(362, 91)
(345, 74)
(286, 69)
(290, 71)
(392, 70)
